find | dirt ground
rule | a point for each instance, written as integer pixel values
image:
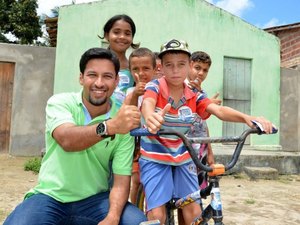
(245, 202)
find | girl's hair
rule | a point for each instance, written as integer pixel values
(109, 24)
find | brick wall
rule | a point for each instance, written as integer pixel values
(290, 47)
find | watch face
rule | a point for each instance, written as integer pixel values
(101, 129)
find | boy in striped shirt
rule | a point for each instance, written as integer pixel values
(167, 170)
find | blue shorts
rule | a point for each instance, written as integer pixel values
(163, 182)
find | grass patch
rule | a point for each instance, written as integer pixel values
(33, 165)
(239, 176)
(250, 201)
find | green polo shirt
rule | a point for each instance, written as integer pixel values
(73, 176)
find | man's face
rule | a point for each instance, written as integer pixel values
(99, 80)
(176, 67)
(199, 70)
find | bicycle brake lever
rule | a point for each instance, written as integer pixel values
(261, 129)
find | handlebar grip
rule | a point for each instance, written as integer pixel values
(261, 129)
(141, 132)
(274, 130)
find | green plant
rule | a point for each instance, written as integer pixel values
(250, 201)
(33, 165)
(239, 176)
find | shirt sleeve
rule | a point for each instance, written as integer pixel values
(57, 113)
(123, 156)
(202, 104)
(152, 89)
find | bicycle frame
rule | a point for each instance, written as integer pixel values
(214, 209)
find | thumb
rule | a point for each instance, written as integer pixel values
(165, 109)
(216, 95)
(137, 77)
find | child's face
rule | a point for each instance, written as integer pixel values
(143, 66)
(159, 72)
(199, 70)
(120, 36)
(176, 67)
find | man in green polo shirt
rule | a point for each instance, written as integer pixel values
(86, 139)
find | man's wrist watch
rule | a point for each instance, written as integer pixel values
(101, 129)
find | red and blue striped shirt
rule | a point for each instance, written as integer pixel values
(168, 149)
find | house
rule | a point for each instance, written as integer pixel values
(245, 67)
(289, 36)
(246, 59)
(26, 83)
(51, 28)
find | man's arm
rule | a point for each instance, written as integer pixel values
(77, 138)
(117, 199)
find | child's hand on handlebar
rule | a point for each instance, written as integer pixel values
(156, 119)
(266, 125)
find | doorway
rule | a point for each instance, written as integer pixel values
(7, 70)
(237, 92)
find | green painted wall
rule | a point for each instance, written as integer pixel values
(202, 25)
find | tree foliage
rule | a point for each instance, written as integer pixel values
(20, 19)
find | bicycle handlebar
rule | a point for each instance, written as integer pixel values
(240, 140)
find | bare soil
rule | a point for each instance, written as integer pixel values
(245, 202)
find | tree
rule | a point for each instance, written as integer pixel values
(5, 27)
(20, 19)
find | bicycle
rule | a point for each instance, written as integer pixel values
(214, 209)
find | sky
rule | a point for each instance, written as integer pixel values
(260, 13)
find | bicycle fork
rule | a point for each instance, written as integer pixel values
(214, 209)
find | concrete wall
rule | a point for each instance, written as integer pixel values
(204, 26)
(33, 85)
(290, 109)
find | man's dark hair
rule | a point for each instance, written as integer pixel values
(99, 53)
(200, 56)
